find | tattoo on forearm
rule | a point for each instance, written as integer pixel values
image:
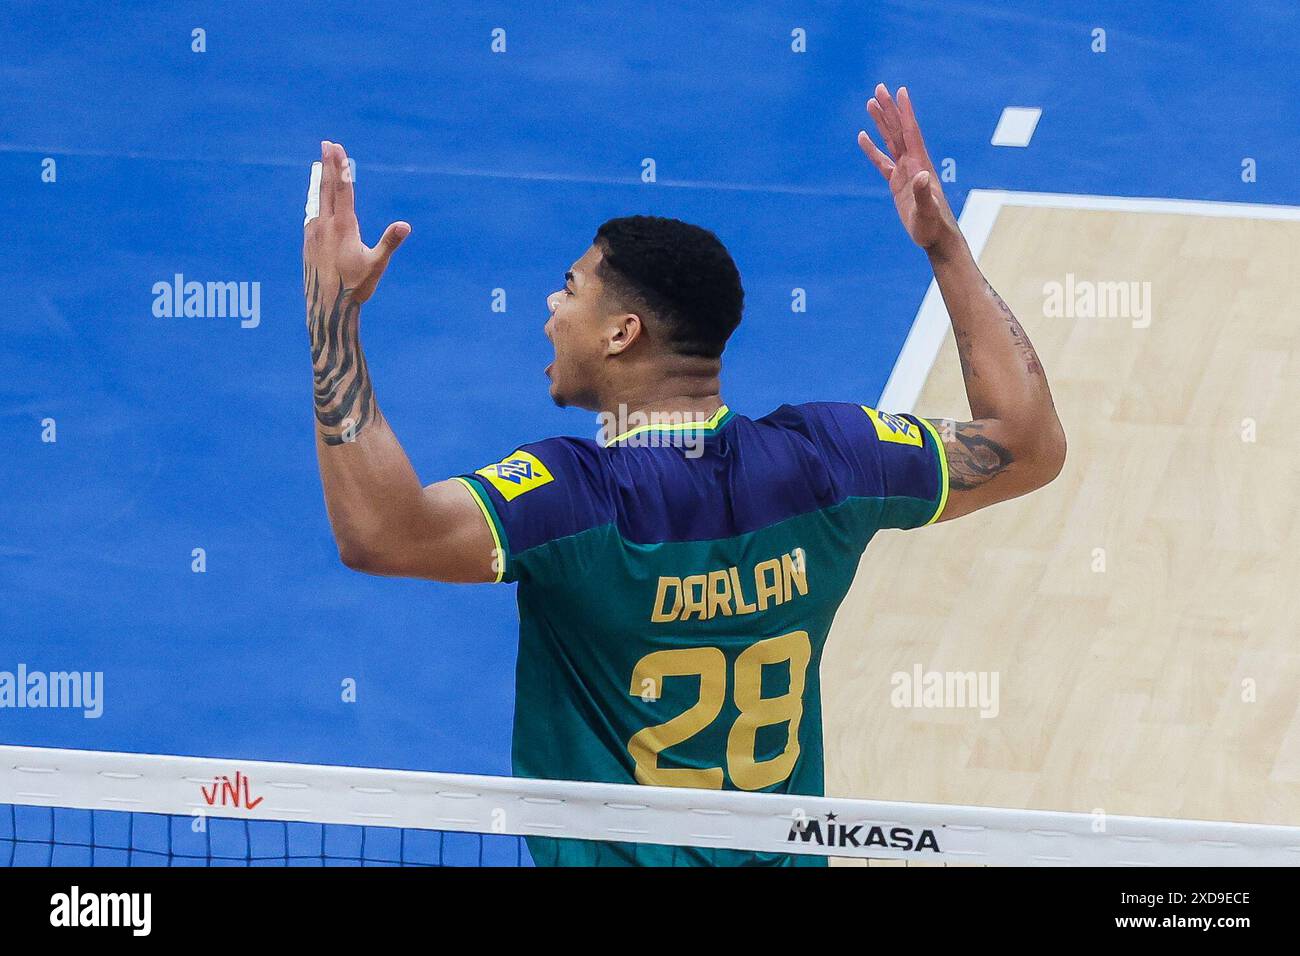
(345, 400)
(973, 458)
(968, 371)
(1023, 345)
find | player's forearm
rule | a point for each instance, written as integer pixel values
(1004, 378)
(372, 493)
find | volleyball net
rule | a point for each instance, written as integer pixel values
(93, 808)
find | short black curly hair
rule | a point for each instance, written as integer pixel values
(681, 274)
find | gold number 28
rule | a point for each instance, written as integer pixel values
(756, 711)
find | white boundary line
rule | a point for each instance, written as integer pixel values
(978, 216)
(184, 786)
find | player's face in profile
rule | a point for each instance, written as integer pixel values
(576, 328)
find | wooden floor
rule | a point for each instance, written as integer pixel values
(1167, 684)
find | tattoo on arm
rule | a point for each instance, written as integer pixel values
(973, 458)
(345, 400)
(1023, 345)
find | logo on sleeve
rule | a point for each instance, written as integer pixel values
(517, 474)
(894, 428)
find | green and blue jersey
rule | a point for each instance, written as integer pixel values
(675, 597)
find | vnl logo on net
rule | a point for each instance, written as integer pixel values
(191, 299)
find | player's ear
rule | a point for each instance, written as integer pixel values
(625, 329)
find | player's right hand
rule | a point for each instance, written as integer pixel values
(332, 250)
(912, 179)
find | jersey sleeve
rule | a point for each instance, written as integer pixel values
(541, 492)
(896, 459)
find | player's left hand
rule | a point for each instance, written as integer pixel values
(912, 179)
(332, 245)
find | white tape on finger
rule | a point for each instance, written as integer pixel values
(312, 208)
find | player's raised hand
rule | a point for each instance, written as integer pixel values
(907, 168)
(332, 251)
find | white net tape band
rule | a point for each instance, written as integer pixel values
(827, 826)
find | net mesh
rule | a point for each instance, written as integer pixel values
(50, 836)
(90, 808)
(63, 836)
